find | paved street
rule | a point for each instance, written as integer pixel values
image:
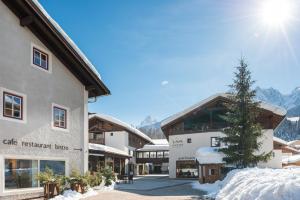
(151, 188)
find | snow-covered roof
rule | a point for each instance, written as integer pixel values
(160, 141)
(67, 38)
(122, 124)
(275, 109)
(279, 140)
(107, 149)
(209, 155)
(291, 159)
(293, 119)
(151, 147)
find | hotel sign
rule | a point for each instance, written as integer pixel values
(177, 143)
(30, 144)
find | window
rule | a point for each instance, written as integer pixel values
(40, 59)
(146, 155)
(160, 154)
(166, 154)
(214, 142)
(152, 154)
(59, 117)
(20, 173)
(12, 106)
(139, 154)
(58, 167)
(211, 172)
(189, 140)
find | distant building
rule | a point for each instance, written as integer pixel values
(199, 128)
(153, 158)
(113, 143)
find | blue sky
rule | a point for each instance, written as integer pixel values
(159, 57)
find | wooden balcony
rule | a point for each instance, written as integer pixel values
(97, 141)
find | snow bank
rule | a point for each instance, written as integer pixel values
(209, 155)
(256, 184)
(73, 195)
(102, 187)
(293, 119)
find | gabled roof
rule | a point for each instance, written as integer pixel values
(122, 124)
(33, 16)
(279, 140)
(275, 109)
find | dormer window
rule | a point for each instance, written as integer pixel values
(40, 59)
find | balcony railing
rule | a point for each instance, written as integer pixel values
(97, 141)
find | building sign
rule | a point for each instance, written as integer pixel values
(30, 144)
(186, 158)
(177, 143)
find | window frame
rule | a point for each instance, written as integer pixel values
(211, 141)
(4, 191)
(4, 93)
(67, 118)
(24, 106)
(35, 49)
(43, 51)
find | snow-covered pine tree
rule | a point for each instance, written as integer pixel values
(243, 131)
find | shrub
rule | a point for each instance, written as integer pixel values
(109, 176)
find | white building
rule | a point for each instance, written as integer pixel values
(45, 84)
(153, 158)
(201, 126)
(122, 140)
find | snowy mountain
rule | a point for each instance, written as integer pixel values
(151, 127)
(290, 128)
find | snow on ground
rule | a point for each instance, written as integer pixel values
(256, 184)
(73, 195)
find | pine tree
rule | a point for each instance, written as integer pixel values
(243, 131)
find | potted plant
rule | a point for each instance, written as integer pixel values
(50, 182)
(78, 182)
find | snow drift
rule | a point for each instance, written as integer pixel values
(256, 184)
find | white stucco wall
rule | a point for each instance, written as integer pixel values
(181, 150)
(118, 140)
(42, 89)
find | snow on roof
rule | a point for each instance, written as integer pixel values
(107, 149)
(160, 141)
(275, 109)
(123, 124)
(291, 159)
(294, 142)
(209, 155)
(293, 119)
(279, 140)
(67, 38)
(151, 147)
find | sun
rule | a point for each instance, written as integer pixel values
(276, 13)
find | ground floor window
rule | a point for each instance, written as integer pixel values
(58, 167)
(21, 173)
(186, 169)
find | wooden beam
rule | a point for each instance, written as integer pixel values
(26, 21)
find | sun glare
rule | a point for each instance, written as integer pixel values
(276, 13)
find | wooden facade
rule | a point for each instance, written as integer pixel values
(211, 120)
(209, 173)
(100, 126)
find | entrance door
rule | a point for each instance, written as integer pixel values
(140, 169)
